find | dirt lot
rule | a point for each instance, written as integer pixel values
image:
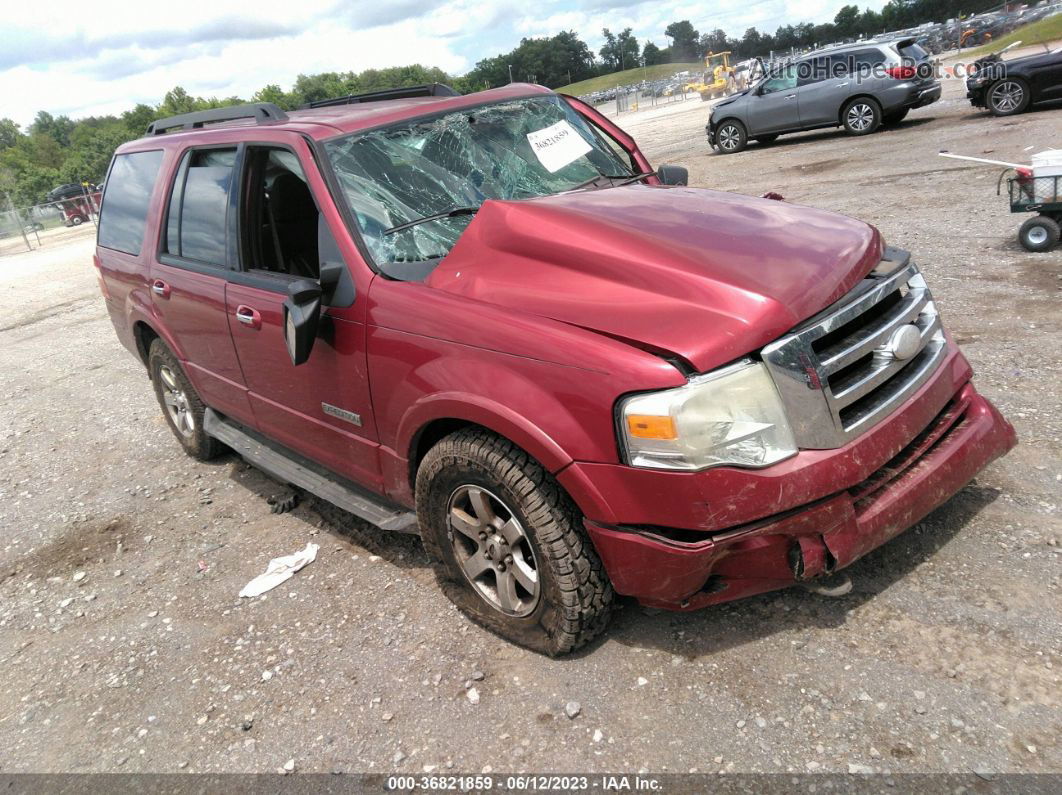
(123, 645)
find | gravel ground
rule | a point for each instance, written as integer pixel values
(123, 645)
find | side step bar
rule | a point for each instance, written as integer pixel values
(289, 467)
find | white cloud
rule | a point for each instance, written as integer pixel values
(66, 57)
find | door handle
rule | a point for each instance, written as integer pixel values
(791, 96)
(249, 316)
(159, 287)
(842, 85)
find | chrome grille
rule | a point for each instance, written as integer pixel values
(849, 366)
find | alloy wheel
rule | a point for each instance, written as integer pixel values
(1007, 96)
(493, 550)
(176, 402)
(860, 116)
(729, 137)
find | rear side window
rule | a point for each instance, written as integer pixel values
(196, 221)
(125, 200)
(913, 51)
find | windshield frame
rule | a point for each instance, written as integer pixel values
(419, 270)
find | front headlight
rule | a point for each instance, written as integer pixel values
(731, 416)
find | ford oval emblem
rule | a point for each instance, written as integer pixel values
(905, 342)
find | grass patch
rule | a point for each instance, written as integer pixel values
(1043, 32)
(629, 76)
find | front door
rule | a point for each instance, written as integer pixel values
(321, 408)
(774, 108)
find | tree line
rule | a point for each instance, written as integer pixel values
(56, 150)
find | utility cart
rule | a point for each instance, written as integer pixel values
(1036, 188)
(1042, 195)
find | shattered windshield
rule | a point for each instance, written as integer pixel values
(448, 165)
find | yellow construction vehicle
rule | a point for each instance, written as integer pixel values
(718, 80)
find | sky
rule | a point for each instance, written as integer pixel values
(83, 59)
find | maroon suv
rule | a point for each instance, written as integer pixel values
(486, 319)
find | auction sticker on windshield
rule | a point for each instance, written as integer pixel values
(557, 145)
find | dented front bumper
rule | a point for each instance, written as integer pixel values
(686, 569)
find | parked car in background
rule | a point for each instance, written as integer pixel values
(489, 320)
(1006, 87)
(857, 86)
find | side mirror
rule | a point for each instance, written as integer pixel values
(673, 175)
(302, 315)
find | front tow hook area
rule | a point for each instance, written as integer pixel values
(833, 585)
(813, 567)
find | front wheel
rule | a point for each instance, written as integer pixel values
(731, 137)
(507, 544)
(1039, 234)
(1008, 97)
(861, 116)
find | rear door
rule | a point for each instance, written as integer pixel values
(820, 90)
(320, 408)
(774, 108)
(835, 78)
(188, 277)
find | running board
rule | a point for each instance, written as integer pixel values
(289, 467)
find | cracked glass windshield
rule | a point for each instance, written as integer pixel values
(414, 187)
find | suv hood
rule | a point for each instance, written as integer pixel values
(699, 274)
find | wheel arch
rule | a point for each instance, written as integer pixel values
(853, 98)
(430, 422)
(143, 336)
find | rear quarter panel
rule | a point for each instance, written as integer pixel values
(126, 277)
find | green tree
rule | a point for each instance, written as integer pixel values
(275, 94)
(58, 129)
(620, 51)
(846, 22)
(137, 119)
(652, 55)
(685, 41)
(9, 133)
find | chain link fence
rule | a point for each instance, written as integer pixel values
(28, 228)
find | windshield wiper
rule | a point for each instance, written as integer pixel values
(637, 177)
(452, 213)
(625, 179)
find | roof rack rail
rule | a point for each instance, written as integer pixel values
(409, 92)
(261, 112)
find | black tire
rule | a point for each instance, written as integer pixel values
(765, 139)
(861, 116)
(574, 597)
(1007, 96)
(731, 137)
(163, 367)
(77, 220)
(895, 117)
(1039, 234)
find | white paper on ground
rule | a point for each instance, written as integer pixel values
(280, 570)
(557, 145)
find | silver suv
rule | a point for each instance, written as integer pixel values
(856, 86)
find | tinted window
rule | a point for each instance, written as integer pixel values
(813, 70)
(125, 200)
(913, 51)
(866, 60)
(195, 228)
(780, 80)
(857, 62)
